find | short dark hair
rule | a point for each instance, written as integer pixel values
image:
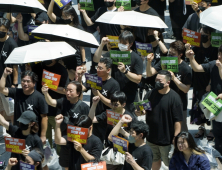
(107, 61)
(207, 30)
(84, 121)
(126, 36)
(178, 46)
(31, 74)
(208, 1)
(5, 22)
(220, 49)
(166, 73)
(69, 10)
(140, 127)
(78, 86)
(118, 96)
(39, 167)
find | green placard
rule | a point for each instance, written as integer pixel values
(120, 56)
(87, 5)
(216, 39)
(125, 3)
(213, 105)
(169, 63)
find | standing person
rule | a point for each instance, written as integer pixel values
(159, 6)
(164, 120)
(216, 87)
(28, 130)
(70, 106)
(187, 155)
(27, 98)
(181, 80)
(109, 86)
(128, 76)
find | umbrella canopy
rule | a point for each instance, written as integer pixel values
(21, 6)
(212, 17)
(132, 18)
(66, 33)
(40, 51)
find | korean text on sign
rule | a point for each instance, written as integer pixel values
(113, 41)
(78, 134)
(94, 166)
(191, 37)
(94, 81)
(169, 63)
(120, 144)
(14, 145)
(189, 2)
(216, 39)
(144, 49)
(51, 79)
(143, 105)
(125, 3)
(62, 3)
(87, 5)
(113, 118)
(25, 166)
(120, 56)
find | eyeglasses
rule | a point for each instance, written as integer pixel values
(28, 81)
(98, 67)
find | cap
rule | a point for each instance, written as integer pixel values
(27, 117)
(35, 156)
(42, 17)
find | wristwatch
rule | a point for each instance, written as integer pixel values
(159, 39)
(84, 62)
(198, 10)
(125, 72)
(16, 85)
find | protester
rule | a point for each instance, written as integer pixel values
(198, 8)
(139, 155)
(187, 155)
(159, 6)
(27, 98)
(128, 76)
(78, 153)
(27, 129)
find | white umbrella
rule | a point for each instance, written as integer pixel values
(132, 18)
(21, 6)
(212, 17)
(66, 33)
(40, 51)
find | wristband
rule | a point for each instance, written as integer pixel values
(16, 85)
(84, 62)
(125, 72)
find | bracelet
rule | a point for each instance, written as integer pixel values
(125, 72)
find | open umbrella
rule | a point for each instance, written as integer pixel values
(212, 17)
(132, 18)
(21, 6)
(66, 33)
(40, 51)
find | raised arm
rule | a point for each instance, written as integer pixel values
(49, 100)
(160, 43)
(4, 90)
(103, 99)
(93, 109)
(98, 53)
(3, 122)
(219, 65)
(150, 71)
(50, 13)
(22, 36)
(58, 135)
(85, 16)
(11, 162)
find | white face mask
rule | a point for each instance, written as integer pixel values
(122, 47)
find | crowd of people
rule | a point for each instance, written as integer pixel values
(38, 110)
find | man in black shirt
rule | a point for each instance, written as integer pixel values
(27, 98)
(139, 155)
(164, 119)
(216, 87)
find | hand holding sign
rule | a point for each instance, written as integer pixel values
(77, 146)
(14, 145)
(78, 134)
(25, 152)
(51, 79)
(59, 119)
(150, 57)
(219, 97)
(129, 158)
(121, 67)
(172, 75)
(45, 89)
(191, 37)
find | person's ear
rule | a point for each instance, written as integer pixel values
(37, 164)
(108, 70)
(124, 104)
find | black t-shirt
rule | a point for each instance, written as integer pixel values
(9, 46)
(126, 85)
(34, 102)
(57, 69)
(166, 110)
(203, 56)
(93, 147)
(184, 75)
(216, 82)
(142, 155)
(141, 32)
(193, 23)
(32, 141)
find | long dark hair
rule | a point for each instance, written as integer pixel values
(69, 10)
(191, 143)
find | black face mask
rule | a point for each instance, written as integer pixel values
(151, 38)
(159, 86)
(47, 62)
(2, 34)
(138, 2)
(67, 21)
(23, 126)
(202, 8)
(109, 4)
(204, 38)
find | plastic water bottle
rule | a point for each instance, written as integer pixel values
(11, 105)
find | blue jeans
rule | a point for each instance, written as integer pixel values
(217, 131)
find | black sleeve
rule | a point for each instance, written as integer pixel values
(96, 149)
(38, 143)
(60, 103)
(158, 67)
(43, 106)
(12, 129)
(106, 55)
(59, 20)
(95, 16)
(187, 23)
(64, 78)
(138, 66)
(13, 45)
(147, 161)
(208, 66)
(187, 80)
(177, 109)
(102, 118)
(12, 92)
(147, 96)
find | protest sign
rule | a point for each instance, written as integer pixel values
(169, 63)
(75, 133)
(14, 145)
(125, 3)
(94, 166)
(144, 49)
(42, 1)
(87, 5)
(94, 81)
(30, 29)
(215, 1)
(120, 144)
(213, 105)
(143, 105)
(113, 118)
(25, 166)
(113, 41)
(216, 39)
(191, 37)
(61, 3)
(120, 56)
(51, 79)
(189, 2)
